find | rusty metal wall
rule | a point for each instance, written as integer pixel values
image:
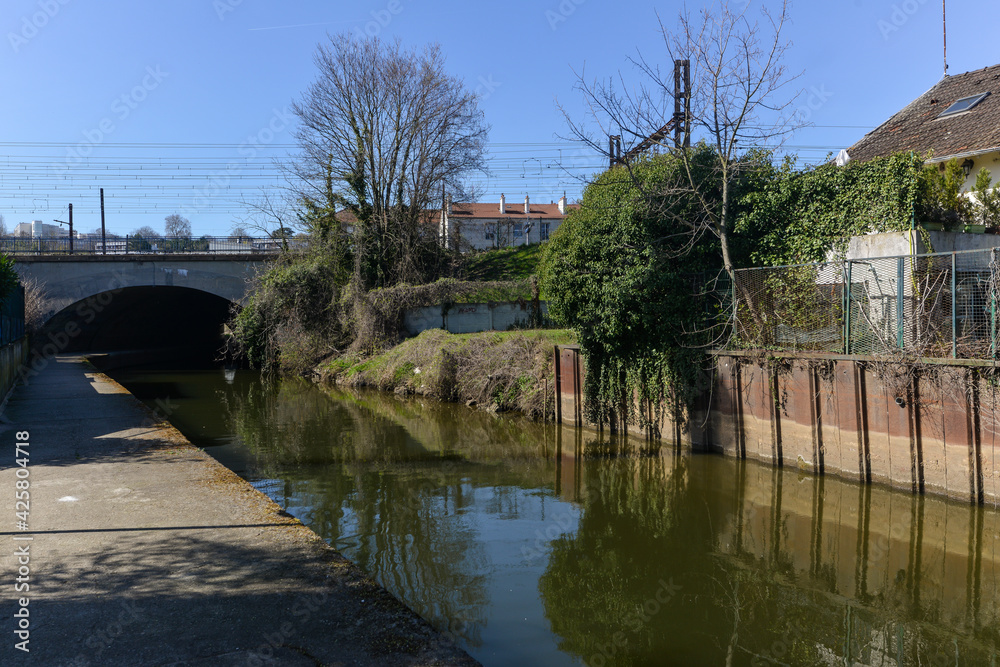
(933, 432)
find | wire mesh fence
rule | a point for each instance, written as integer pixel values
(936, 305)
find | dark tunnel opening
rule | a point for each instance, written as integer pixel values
(183, 320)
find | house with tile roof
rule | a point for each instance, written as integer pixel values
(959, 117)
(482, 226)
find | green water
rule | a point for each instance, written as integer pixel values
(534, 545)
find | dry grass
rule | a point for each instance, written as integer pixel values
(496, 371)
(36, 305)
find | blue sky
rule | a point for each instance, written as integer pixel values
(182, 106)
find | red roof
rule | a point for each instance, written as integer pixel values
(512, 210)
(487, 211)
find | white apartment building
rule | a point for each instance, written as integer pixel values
(482, 226)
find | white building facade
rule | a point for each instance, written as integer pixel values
(484, 226)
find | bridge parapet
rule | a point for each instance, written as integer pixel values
(138, 246)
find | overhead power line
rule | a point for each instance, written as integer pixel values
(214, 178)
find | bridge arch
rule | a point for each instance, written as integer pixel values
(103, 303)
(139, 318)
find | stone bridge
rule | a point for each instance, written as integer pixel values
(100, 302)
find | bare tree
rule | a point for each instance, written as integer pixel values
(36, 305)
(738, 102)
(500, 234)
(146, 232)
(3, 226)
(385, 133)
(177, 225)
(266, 212)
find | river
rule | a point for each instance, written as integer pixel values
(532, 544)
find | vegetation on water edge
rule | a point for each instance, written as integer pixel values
(303, 309)
(625, 274)
(498, 371)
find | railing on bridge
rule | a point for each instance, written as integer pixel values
(138, 245)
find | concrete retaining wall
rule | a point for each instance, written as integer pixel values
(469, 317)
(936, 431)
(892, 244)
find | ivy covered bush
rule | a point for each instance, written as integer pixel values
(794, 217)
(625, 273)
(292, 318)
(9, 279)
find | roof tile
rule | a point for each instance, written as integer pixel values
(919, 128)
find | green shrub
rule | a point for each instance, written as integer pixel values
(292, 318)
(627, 274)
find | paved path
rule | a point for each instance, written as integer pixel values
(145, 551)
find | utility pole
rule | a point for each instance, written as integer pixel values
(614, 150)
(70, 223)
(682, 104)
(944, 25)
(104, 236)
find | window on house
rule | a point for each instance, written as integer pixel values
(491, 232)
(518, 229)
(963, 104)
(543, 231)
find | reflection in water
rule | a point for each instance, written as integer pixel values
(409, 495)
(701, 560)
(537, 545)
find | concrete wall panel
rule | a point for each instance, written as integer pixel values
(469, 317)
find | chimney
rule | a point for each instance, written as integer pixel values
(527, 208)
(562, 205)
(503, 204)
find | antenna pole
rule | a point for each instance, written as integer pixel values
(944, 23)
(104, 236)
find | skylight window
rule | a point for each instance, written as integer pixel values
(963, 104)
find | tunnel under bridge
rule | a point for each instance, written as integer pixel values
(114, 303)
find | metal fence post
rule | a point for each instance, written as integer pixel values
(735, 305)
(993, 303)
(847, 309)
(954, 309)
(900, 297)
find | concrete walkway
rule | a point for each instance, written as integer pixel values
(145, 551)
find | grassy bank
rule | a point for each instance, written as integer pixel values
(517, 263)
(494, 370)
